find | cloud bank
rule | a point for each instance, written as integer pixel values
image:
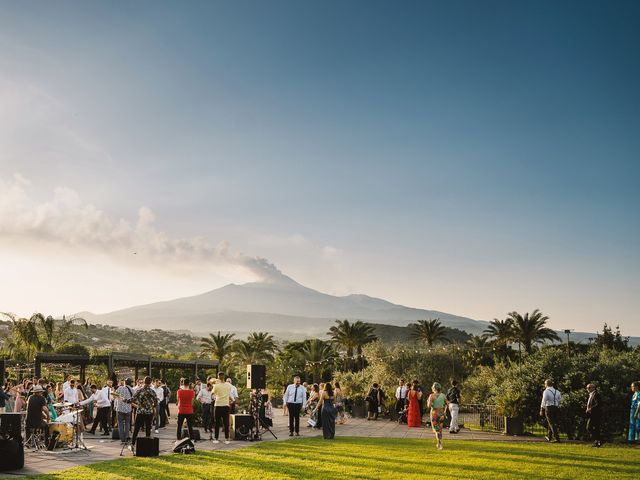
(65, 219)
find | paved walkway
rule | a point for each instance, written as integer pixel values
(101, 449)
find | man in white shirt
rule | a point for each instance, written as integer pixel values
(160, 394)
(295, 396)
(71, 392)
(205, 398)
(550, 408)
(401, 396)
(233, 397)
(108, 390)
(103, 402)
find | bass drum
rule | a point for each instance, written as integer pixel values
(63, 432)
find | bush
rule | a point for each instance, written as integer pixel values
(73, 349)
(516, 387)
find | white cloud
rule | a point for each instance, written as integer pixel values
(65, 219)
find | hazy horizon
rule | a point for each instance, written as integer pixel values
(473, 158)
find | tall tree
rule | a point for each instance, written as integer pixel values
(39, 334)
(351, 337)
(217, 346)
(429, 332)
(530, 329)
(500, 332)
(318, 356)
(259, 347)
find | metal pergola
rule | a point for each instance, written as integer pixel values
(115, 359)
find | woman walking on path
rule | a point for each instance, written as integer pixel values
(328, 414)
(634, 414)
(414, 419)
(438, 404)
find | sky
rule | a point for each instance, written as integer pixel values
(470, 157)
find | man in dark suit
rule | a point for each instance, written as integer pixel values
(594, 415)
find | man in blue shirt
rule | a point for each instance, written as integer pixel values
(295, 396)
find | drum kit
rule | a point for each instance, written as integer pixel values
(64, 432)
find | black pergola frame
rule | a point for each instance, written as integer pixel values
(122, 359)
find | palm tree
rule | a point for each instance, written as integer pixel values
(351, 337)
(500, 331)
(429, 331)
(23, 339)
(62, 336)
(245, 354)
(39, 334)
(501, 334)
(530, 329)
(259, 347)
(317, 355)
(217, 346)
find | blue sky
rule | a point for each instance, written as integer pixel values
(471, 157)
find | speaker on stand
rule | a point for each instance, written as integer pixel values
(256, 381)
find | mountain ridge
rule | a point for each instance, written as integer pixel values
(277, 304)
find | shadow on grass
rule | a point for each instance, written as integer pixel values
(356, 458)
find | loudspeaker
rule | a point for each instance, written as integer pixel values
(184, 446)
(11, 425)
(256, 376)
(241, 426)
(196, 434)
(147, 447)
(11, 455)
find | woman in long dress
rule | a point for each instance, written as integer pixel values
(21, 396)
(414, 419)
(634, 414)
(328, 414)
(52, 399)
(438, 404)
(311, 406)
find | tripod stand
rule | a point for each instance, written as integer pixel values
(127, 443)
(254, 409)
(78, 443)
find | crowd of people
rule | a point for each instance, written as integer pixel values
(410, 406)
(129, 406)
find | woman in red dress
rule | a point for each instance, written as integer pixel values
(414, 419)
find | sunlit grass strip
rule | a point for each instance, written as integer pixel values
(379, 458)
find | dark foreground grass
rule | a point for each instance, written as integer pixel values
(377, 458)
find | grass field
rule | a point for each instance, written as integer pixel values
(377, 458)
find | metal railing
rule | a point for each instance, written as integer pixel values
(478, 416)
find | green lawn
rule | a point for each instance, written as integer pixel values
(378, 458)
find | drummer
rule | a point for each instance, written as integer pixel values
(37, 412)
